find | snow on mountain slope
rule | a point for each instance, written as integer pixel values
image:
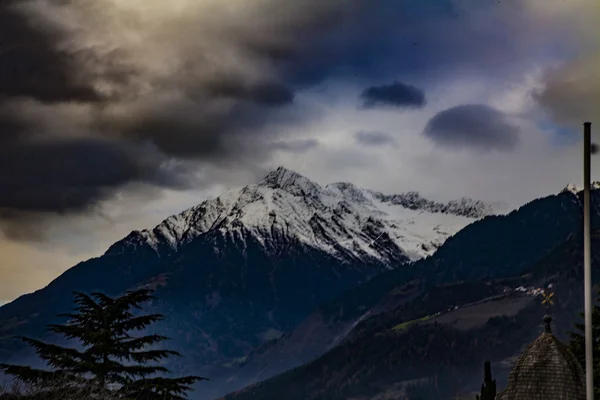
(576, 189)
(339, 218)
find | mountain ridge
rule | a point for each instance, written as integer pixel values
(494, 247)
(269, 266)
(356, 217)
(383, 352)
(239, 270)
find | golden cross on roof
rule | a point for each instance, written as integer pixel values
(548, 301)
(548, 298)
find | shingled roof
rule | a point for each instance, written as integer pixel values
(545, 370)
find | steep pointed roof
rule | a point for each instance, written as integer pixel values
(545, 370)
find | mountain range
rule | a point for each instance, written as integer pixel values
(237, 273)
(355, 293)
(424, 331)
(339, 219)
(433, 345)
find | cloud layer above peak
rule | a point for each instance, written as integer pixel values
(115, 114)
(149, 92)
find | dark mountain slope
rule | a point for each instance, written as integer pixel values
(493, 248)
(112, 274)
(246, 267)
(445, 351)
(219, 305)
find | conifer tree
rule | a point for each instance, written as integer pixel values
(488, 387)
(113, 361)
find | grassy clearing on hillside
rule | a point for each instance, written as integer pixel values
(407, 324)
(476, 315)
(473, 315)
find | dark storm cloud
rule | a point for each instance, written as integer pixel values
(295, 146)
(411, 38)
(364, 37)
(209, 85)
(182, 129)
(29, 64)
(59, 176)
(473, 126)
(368, 138)
(396, 94)
(185, 137)
(12, 126)
(316, 40)
(267, 94)
(571, 92)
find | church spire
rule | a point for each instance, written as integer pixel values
(547, 323)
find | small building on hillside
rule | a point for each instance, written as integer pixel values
(546, 370)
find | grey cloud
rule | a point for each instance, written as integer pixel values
(295, 146)
(185, 136)
(369, 138)
(341, 160)
(31, 65)
(396, 94)
(209, 83)
(265, 58)
(11, 126)
(63, 175)
(41, 177)
(267, 94)
(472, 126)
(211, 109)
(571, 92)
(180, 128)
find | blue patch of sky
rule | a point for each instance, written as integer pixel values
(561, 135)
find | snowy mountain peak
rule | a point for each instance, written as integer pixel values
(576, 189)
(341, 219)
(348, 191)
(465, 206)
(290, 181)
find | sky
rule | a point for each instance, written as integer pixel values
(115, 115)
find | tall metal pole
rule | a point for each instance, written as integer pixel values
(587, 259)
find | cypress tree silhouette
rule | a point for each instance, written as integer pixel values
(488, 387)
(113, 361)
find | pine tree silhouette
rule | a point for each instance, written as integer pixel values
(488, 387)
(113, 361)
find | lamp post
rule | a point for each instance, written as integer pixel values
(587, 259)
